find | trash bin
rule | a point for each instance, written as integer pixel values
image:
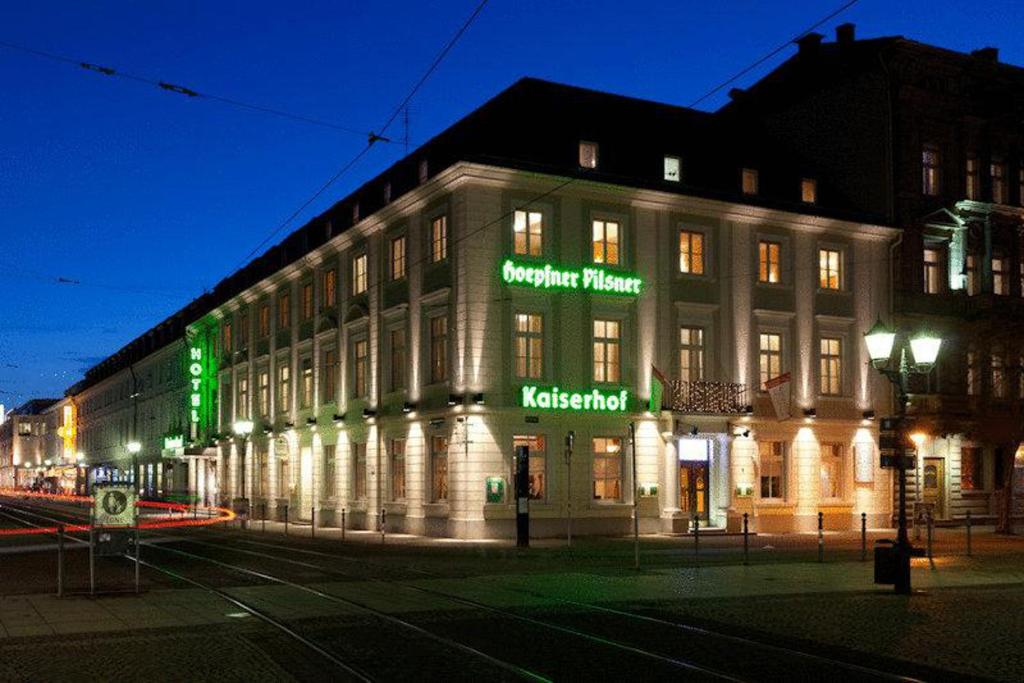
(885, 561)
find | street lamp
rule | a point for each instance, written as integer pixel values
(924, 348)
(243, 429)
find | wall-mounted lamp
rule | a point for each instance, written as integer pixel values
(437, 422)
(746, 433)
(338, 418)
(289, 425)
(408, 407)
(311, 422)
(810, 412)
(748, 409)
(868, 414)
(268, 430)
(454, 399)
(694, 431)
(369, 412)
(478, 398)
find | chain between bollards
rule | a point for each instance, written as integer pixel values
(746, 539)
(863, 537)
(968, 533)
(821, 537)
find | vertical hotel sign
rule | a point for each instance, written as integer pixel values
(201, 373)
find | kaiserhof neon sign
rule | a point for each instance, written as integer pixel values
(588, 279)
(553, 398)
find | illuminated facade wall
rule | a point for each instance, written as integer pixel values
(381, 439)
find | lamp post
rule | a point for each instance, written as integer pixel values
(243, 429)
(924, 349)
(134, 447)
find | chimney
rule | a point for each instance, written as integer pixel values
(809, 43)
(987, 54)
(845, 34)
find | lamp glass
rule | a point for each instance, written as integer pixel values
(925, 348)
(879, 340)
(134, 446)
(242, 427)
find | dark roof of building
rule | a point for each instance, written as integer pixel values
(33, 406)
(536, 125)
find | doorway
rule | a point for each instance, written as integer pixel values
(933, 485)
(693, 488)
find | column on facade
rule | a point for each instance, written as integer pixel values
(806, 475)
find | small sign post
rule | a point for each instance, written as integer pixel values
(114, 526)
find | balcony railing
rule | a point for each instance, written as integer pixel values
(706, 398)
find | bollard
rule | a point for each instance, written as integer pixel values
(312, 522)
(821, 537)
(383, 523)
(863, 537)
(285, 520)
(60, 561)
(968, 533)
(746, 540)
(696, 536)
(343, 524)
(928, 521)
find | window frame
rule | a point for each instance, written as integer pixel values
(668, 159)
(837, 458)
(688, 349)
(360, 365)
(283, 387)
(618, 455)
(328, 375)
(782, 458)
(396, 457)
(531, 340)
(329, 484)
(934, 269)
(604, 241)
(829, 360)
(397, 258)
(307, 297)
(809, 191)
(307, 382)
(528, 234)
(764, 261)
(840, 269)
(438, 455)
(702, 263)
(438, 238)
(607, 343)
(360, 279)
(584, 160)
(284, 310)
(360, 474)
(753, 188)
(762, 353)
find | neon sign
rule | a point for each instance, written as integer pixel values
(589, 279)
(195, 380)
(174, 442)
(553, 398)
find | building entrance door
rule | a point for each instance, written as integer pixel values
(693, 488)
(933, 485)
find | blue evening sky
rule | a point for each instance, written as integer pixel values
(144, 198)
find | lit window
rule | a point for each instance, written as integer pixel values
(768, 262)
(398, 258)
(360, 357)
(439, 348)
(359, 464)
(307, 301)
(607, 342)
(769, 356)
(306, 395)
(242, 407)
(832, 470)
(931, 162)
(972, 477)
(330, 287)
(263, 320)
(672, 169)
(397, 467)
(329, 475)
(607, 469)
(226, 341)
(772, 455)
(438, 469)
(830, 262)
(284, 311)
(263, 386)
(1001, 276)
(973, 183)
(538, 465)
(588, 154)
(998, 370)
(808, 190)
(691, 354)
(831, 366)
(997, 170)
(529, 345)
(359, 274)
(284, 387)
(691, 252)
(933, 279)
(528, 233)
(606, 242)
(396, 347)
(749, 181)
(971, 274)
(439, 239)
(328, 381)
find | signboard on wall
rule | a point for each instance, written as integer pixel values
(555, 398)
(594, 279)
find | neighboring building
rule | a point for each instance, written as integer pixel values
(23, 437)
(64, 466)
(930, 139)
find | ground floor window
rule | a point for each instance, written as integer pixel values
(329, 472)
(772, 455)
(359, 471)
(971, 470)
(607, 468)
(538, 481)
(832, 470)
(398, 469)
(438, 468)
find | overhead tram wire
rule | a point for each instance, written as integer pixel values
(374, 136)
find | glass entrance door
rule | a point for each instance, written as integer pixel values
(693, 488)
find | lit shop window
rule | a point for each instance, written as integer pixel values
(529, 345)
(770, 356)
(768, 262)
(607, 469)
(691, 252)
(528, 233)
(933, 279)
(931, 165)
(606, 242)
(439, 348)
(832, 470)
(439, 239)
(607, 350)
(830, 273)
(359, 274)
(359, 471)
(691, 354)
(538, 464)
(749, 181)
(397, 468)
(672, 169)
(329, 469)
(438, 468)
(398, 258)
(831, 366)
(808, 190)
(588, 154)
(772, 455)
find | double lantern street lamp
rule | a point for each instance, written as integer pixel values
(924, 349)
(243, 429)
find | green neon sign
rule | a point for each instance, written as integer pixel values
(174, 442)
(201, 376)
(553, 398)
(588, 279)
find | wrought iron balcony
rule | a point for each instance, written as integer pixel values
(706, 398)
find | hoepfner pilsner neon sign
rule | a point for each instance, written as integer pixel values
(588, 279)
(553, 398)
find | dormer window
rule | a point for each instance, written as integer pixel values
(808, 190)
(672, 165)
(588, 154)
(749, 181)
